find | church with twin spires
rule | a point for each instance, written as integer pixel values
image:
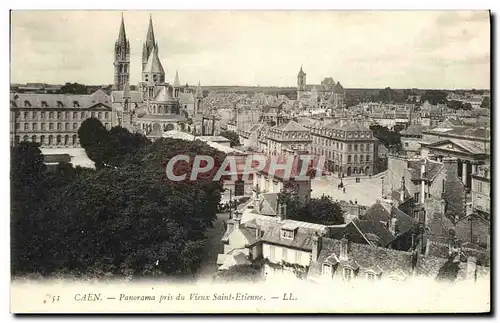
(155, 105)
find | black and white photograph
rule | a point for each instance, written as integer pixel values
(227, 161)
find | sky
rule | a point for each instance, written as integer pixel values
(360, 49)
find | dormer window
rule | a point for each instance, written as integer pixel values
(44, 104)
(27, 104)
(370, 276)
(287, 234)
(60, 104)
(75, 104)
(348, 274)
(327, 270)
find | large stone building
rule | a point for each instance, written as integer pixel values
(53, 120)
(349, 147)
(287, 137)
(481, 190)
(452, 138)
(328, 94)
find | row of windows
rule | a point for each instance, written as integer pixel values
(59, 115)
(337, 156)
(350, 147)
(355, 158)
(347, 273)
(50, 140)
(34, 126)
(296, 254)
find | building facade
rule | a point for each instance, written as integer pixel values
(53, 120)
(481, 190)
(349, 147)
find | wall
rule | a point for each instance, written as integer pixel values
(481, 195)
(291, 255)
(396, 169)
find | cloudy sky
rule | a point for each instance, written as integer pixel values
(422, 49)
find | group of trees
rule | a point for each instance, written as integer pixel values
(123, 218)
(459, 105)
(233, 136)
(323, 210)
(390, 139)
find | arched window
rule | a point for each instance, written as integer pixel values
(355, 158)
(58, 139)
(42, 139)
(25, 138)
(66, 140)
(74, 140)
(51, 139)
(33, 138)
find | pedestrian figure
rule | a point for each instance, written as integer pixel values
(344, 190)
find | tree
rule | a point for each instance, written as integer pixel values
(486, 102)
(233, 136)
(73, 88)
(455, 105)
(288, 196)
(435, 97)
(324, 210)
(125, 220)
(388, 138)
(321, 210)
(95, 139)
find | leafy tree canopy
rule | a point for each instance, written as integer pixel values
(321, 210)
(233, 136)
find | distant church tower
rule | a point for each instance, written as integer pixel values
(149, 45)
(122, 60)
(198, 103)
(301, 83)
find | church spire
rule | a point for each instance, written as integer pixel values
(122, 38)
(150, 38)
(176, 80)
(149, 44)
(199, 93)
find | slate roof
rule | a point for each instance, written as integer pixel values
(379, 212)
(291, 126)
(302, 238)
(372, 229)
(154, 65)
(84, 101)
(414, 130)
(164, 117)
(432, 168)
(135, 96)
(367, 257)
(163, 95)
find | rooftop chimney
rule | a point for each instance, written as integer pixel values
(344, 249)
(237, 220)
(282, 212)
(317, 243)
(256, 203)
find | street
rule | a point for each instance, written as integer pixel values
(213, 247)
